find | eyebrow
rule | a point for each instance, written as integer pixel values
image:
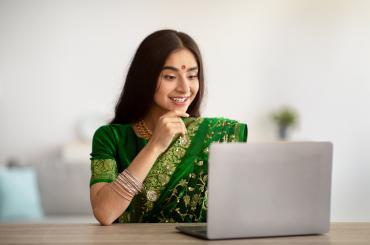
(176, 69)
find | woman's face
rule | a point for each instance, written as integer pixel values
(178, 82)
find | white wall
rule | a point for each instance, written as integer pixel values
(61, 61)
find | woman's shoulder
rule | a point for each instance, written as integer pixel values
(111, 130)
(106, 140)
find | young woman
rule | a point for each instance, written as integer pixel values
(150, 163)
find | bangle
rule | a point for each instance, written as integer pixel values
(123, 183)
(137, 184)
(126, 185)
(125, 196)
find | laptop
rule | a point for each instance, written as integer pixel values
(266, 189)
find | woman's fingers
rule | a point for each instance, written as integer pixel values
(168, 127)
(177, 129)
(177, 126)
(172, 118)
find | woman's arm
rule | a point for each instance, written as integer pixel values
(108, 205)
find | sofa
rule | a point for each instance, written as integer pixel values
(51, 190)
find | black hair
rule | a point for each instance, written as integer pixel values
(137, 95)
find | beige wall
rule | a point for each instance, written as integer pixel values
(62, 61)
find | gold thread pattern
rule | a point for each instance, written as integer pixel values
(103, 169)
(165, 166)
(192, 196)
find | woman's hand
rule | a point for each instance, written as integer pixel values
(167, 128)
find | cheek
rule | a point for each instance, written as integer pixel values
(159, 96)
(158, 93)
(162, 91)
(195, 88)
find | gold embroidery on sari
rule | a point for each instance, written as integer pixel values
(190, 197)
(103, 169)
(124, 218)
(194, 197)
(187, 201)
(165, 166)
(236, 136)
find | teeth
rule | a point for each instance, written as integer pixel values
(179, 99)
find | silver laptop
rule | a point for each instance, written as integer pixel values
(267, 189)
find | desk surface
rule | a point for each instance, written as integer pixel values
(340, 233)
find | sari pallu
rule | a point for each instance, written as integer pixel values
(176, 186)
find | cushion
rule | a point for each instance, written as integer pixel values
(19, 194)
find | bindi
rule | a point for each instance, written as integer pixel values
(183, 67)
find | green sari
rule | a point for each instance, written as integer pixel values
(176, 186)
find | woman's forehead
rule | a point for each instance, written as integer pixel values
(181, 59)
(183, 68)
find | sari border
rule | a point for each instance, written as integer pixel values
(165, 166)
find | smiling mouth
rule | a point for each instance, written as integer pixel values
(179, 99)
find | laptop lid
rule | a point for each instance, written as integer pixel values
(269, 189)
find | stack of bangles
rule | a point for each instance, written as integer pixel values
(126, 185)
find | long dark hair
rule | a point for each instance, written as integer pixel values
(141, 81)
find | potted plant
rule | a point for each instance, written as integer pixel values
(286, 117)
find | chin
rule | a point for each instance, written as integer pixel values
(179, 109)
(170, 107)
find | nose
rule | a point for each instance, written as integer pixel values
(183, 85)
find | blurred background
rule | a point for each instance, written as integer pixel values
(63, 63)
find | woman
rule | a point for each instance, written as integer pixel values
(150, 163)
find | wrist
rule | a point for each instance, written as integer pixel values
(153, 149)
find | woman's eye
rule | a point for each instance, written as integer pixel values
(191, 77)
(169, 77)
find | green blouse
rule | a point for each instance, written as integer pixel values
(175, 189)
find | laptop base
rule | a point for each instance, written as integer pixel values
(199, 231)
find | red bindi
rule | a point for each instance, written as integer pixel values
(183, 67)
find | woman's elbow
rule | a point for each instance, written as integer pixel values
(103, 218)
(105, 222)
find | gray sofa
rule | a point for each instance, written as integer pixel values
(64, 191)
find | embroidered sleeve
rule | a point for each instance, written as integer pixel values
(103, 163)
(103, 170)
